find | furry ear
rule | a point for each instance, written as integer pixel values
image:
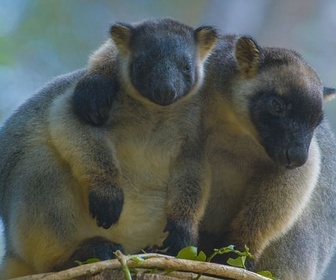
(247, 54)
(121, 34)
(329, 94)
(206, 38)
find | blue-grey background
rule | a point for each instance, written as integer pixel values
(40, 39)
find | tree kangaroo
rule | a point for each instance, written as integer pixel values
(70, 191)
(272, 157)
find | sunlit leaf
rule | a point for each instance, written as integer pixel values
(190, 253)
(237, 262)
(201, 256)
(267, 274)
(187, 253)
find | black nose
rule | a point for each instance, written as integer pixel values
(296, 157)
(164, 97)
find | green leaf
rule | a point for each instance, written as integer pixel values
(266, 274)
(92, 260)
(201, 256)
(190, 253)
(237, 262)
(187, 253)
(138, 259)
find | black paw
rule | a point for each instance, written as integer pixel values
(105, 205)
(93, 98)
(98, 247)
(95, 247)
(150, 249)
(250, 264)
(180, 235)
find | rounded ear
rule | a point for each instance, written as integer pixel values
(247, 54)
(206, 38)
(121, 34)
(328, 93)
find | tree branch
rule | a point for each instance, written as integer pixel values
(150, 261)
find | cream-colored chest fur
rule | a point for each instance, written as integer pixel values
(145, 165)
(145, 159)
(145, 149)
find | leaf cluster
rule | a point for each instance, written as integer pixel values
(191, 253)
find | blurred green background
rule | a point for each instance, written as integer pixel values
(45, 38)
(42, 39)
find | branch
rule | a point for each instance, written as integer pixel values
(150, 261)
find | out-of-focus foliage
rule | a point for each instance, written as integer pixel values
(40, 39)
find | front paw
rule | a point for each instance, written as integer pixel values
(250, 264)
(94, 247)
(105, 205)
(96, 114)
(93, 97)
(180, 235)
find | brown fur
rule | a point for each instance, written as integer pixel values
(255, 200)
(54, 167)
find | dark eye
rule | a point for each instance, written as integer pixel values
(277, 107)
(185, 65)
(186, 69)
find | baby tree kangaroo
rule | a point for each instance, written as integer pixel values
(70, 191)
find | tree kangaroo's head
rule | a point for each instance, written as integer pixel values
(282, 97)
(162, 60)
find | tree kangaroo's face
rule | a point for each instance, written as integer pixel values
(164, 58)
(285, 110)
(282, 98)
(164, 67)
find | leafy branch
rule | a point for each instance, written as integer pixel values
(197, 265)
(191, 253)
